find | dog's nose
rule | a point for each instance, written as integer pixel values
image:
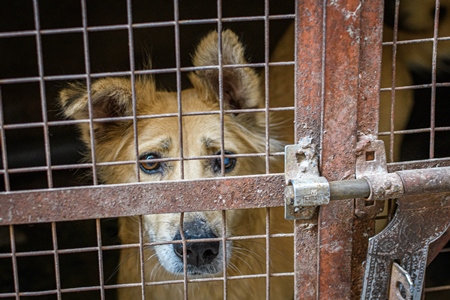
(198, 254)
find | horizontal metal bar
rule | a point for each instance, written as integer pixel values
(108, 201)
(418, 164)
(22, 33)
(255, 191)
(376, 187)
(424, 181)
(349, 189)
(414, 41)
(138, 72)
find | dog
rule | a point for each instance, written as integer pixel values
(158, 138)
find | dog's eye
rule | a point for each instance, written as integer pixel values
(228, 162)
(150, 167)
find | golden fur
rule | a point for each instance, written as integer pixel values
(243, 133)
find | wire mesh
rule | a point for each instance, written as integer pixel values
(81, 43)
(50, 45)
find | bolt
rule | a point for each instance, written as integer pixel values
(380, 192)
(387, 184)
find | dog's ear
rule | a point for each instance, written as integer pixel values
(240, 85)
(110, 97)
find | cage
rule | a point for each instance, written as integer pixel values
(98, 186)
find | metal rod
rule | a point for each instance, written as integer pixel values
(349, 189)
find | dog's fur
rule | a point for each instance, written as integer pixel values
(244, 133)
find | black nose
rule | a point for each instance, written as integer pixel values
(201, 253)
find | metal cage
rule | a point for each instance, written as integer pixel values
(58, 228)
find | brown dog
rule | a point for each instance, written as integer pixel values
(158, 138)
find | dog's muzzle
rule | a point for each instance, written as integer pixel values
(199, 255)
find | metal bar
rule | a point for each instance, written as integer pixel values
(176, 17)
(14, 262)
(425, 181)
(141, 256)
(339, 130)
(433, 81)
(141, 199)
(419, 164)
(393, 76)
(111, 200)
(226, 277)
(368, 118)
(40, 60)
(133, 87)
(3, 145)
(348, 189)
(185, 275)
(101, 272)
(87, 66)
(267, 82)
(56, 261)
(309, 44)
(128, 73)
(141, 25)
(267, 237)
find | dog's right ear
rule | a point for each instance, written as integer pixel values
(240, 85)
(110, 98)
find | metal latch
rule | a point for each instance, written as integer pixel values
(305, 188)
(397, 256)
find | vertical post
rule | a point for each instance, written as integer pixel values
(342, 45)
(336, 96)
(308, 122)
(367, 123)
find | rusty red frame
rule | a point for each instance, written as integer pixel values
(274, 183)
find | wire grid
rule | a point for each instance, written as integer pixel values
(414, 129)
(89, 76)
(423, 92)
(46, 124)
(104, 285)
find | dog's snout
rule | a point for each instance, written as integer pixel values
(197, 253)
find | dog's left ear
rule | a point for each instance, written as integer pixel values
(240, 85)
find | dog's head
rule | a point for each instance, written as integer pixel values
(417, 21)
(109, 103)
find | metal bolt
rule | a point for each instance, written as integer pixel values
(387, 184)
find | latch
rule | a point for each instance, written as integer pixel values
(397, 256)
(305, 188)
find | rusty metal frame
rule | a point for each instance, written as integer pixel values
(331, 248)
(328, 253)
